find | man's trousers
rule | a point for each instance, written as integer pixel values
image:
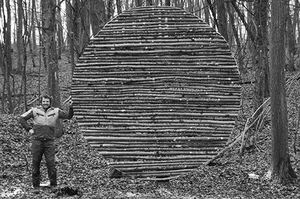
(42, 147)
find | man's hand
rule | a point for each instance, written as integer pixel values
(31, 131)
(71, 103)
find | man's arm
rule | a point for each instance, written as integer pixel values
(23, 119)
(64, 115)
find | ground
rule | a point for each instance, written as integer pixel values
(83, 173)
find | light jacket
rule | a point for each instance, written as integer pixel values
(44, 121)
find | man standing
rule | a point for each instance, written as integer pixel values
(42, 138)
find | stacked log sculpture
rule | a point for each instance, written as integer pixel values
(156, 92)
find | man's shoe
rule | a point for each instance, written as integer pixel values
(36, 190)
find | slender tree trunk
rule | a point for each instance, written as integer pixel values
(59, 32)
(213, 12)
(138, 3)
(168, 2)
(190, 7)
(222, 19)
(85, 32)
(249, 41)
(97, 15)
(50, 31)
(70, 35)
(8, 58)
(110, 9)
(206, 12)
(2, 65)
(198, 9)
(20, 52)
(240, 59)
(43, 36)
(34, 44)
(76, 27)
(261, 50)
(281, 169)
(119, 6)
(290, 42)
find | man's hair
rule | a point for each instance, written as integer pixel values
(47, 97)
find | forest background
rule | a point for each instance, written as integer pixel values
(39, 40)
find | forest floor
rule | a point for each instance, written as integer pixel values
(83, 173)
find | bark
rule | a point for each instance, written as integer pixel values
(149, 2)
(212, 9)
(85, 32)
(70, 35)
(222, 19)
(7, 58)
(110, 9)
(198, 9)
(138, 3)
(290, 43)
(20, 52)
(59, 32)
(206, 11)
(242, 17)
(281, 170)
(240, 58)
(34, 45)
(168, 2)
(190, 6)
(50, 31)
(76, 27)
(97, 15)
(119, 6)
(261, 50)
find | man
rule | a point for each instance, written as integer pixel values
(42, 137)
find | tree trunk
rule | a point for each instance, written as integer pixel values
(206, 12)
(7, 58)
(213, 12)
(168, 2)
(70, 35)
(97, 15)
(290, 43)
(20, 52)
(85, 32)
(190, 7)
(50, 31)
(240, 58)
(110, 9)
(222, 19)
(281, 170)
(34, 45)
(261, 50)
(119, 6)
(138, 3)
(59, 32)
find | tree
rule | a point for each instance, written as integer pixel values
(52, 62)
(281, 169)
(138, 3)
(20, 44)
(222, 19)
(7, 59)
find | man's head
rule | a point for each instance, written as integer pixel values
(46, 101)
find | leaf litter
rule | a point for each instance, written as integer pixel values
(83, 173)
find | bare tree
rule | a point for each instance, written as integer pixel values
(50, 30)
(20, 44)
(222, 19)
(138, 3)
(7, 58)
(281, 169)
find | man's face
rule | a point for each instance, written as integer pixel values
(45, 103)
